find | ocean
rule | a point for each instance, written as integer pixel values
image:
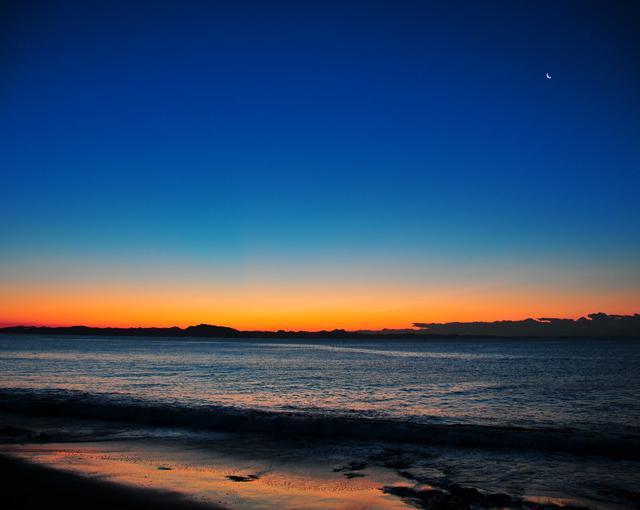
(529, 416)
(585, 385)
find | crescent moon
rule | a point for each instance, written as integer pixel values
(548, 77)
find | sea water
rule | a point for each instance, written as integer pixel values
(580, 384)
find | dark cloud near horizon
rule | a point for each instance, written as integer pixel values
(594, 324)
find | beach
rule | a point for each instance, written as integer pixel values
(28, 485)
(131, 467)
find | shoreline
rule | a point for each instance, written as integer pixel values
(248, 471)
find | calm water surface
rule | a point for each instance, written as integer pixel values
(588, 384)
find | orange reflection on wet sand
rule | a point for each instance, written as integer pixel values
(202, 474)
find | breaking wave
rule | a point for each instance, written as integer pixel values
(65, 403)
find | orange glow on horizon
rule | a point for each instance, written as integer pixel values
(293, 307)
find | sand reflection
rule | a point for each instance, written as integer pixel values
(233, 481)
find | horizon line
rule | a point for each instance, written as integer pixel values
(412, 327)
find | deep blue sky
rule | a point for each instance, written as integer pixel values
(321, 134)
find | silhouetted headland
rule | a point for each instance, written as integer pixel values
(593, 325)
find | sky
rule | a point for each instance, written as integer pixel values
(317, 165)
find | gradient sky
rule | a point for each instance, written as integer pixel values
(318, 164)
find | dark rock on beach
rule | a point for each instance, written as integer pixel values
(456, 497)
(431, 499)
(240, 478)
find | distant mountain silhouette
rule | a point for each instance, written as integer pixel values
(595, 324)
(202, 330)
(208, 330)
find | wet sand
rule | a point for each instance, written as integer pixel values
(31, 486)
(224, 480)
(111, 465)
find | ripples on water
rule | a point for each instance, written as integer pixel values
(590, 384)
